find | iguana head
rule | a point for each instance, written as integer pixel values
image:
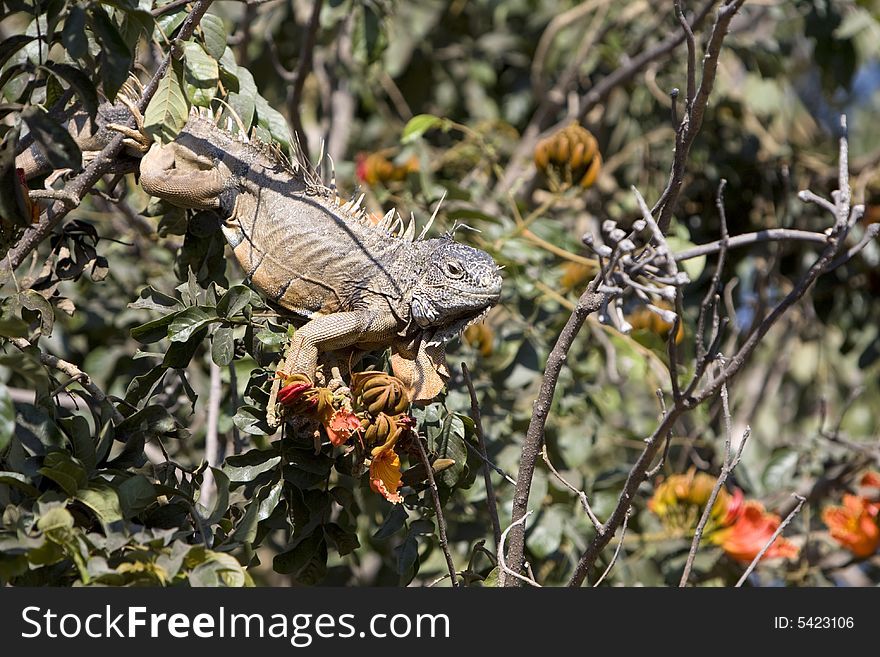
(456, 286)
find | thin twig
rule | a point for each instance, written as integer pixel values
(585, 502)
(801, 499)
(502, 562)
(438, 509)
(491, 500)
(616, 552)
(75, 373)
(747, 239)
(726, 469)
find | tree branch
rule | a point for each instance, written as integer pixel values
(77, 188)
(438, 510)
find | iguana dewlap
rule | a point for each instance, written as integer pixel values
(361, 284)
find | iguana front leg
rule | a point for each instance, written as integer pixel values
(175, 174)
(328, 333)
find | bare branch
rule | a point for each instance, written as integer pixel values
(616, 551)
(74, 373)
(438, 510)
(639, 470)
(726, 469)
(747, 239)
(502, 562)
(585, 502)
(491, 500)
(589, 302)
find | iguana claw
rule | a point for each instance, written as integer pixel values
(136, 139)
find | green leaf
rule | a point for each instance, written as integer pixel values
(169, 22)
(271, 499)
(368, 38)
(220, 504)
(305, 551)
(419, 125)
(154, 330)
(168, 110)
(65, 471)
(135, 494)
(492, 578)
(56, 518)
(251, 420)
(222, 346)
(780, 469)
(449, 443)
(179, 354)
(102, 499)
(80, 435)
(7, 418)
(345, 541)
(188, 322)
(306, 469)
(152, 420)
(141, 386)
(201, 74)
(243, 101)
(245, 467)
(54, 141)
(234, 301)
(19, 481)
(79, 82)
(407, 556)
(219, 569)
(215, 35)
(270, 338)
(153, 299)
(116, 58)
(273, 122)
(395, 519)
(11, 45)
(73, 35)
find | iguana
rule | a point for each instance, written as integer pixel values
(362, 283)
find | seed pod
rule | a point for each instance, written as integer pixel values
(569, 156)
(378, 392)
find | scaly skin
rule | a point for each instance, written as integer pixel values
(362, 286)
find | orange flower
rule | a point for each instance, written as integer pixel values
(854, 525)
(341, 425)
(749, 534)
(385, 475)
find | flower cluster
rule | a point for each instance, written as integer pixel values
(856, 524)
(374, 411)
(740, 527)
(570, 156)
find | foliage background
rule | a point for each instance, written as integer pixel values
(84, 503)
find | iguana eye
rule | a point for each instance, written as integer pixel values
(454, 269)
